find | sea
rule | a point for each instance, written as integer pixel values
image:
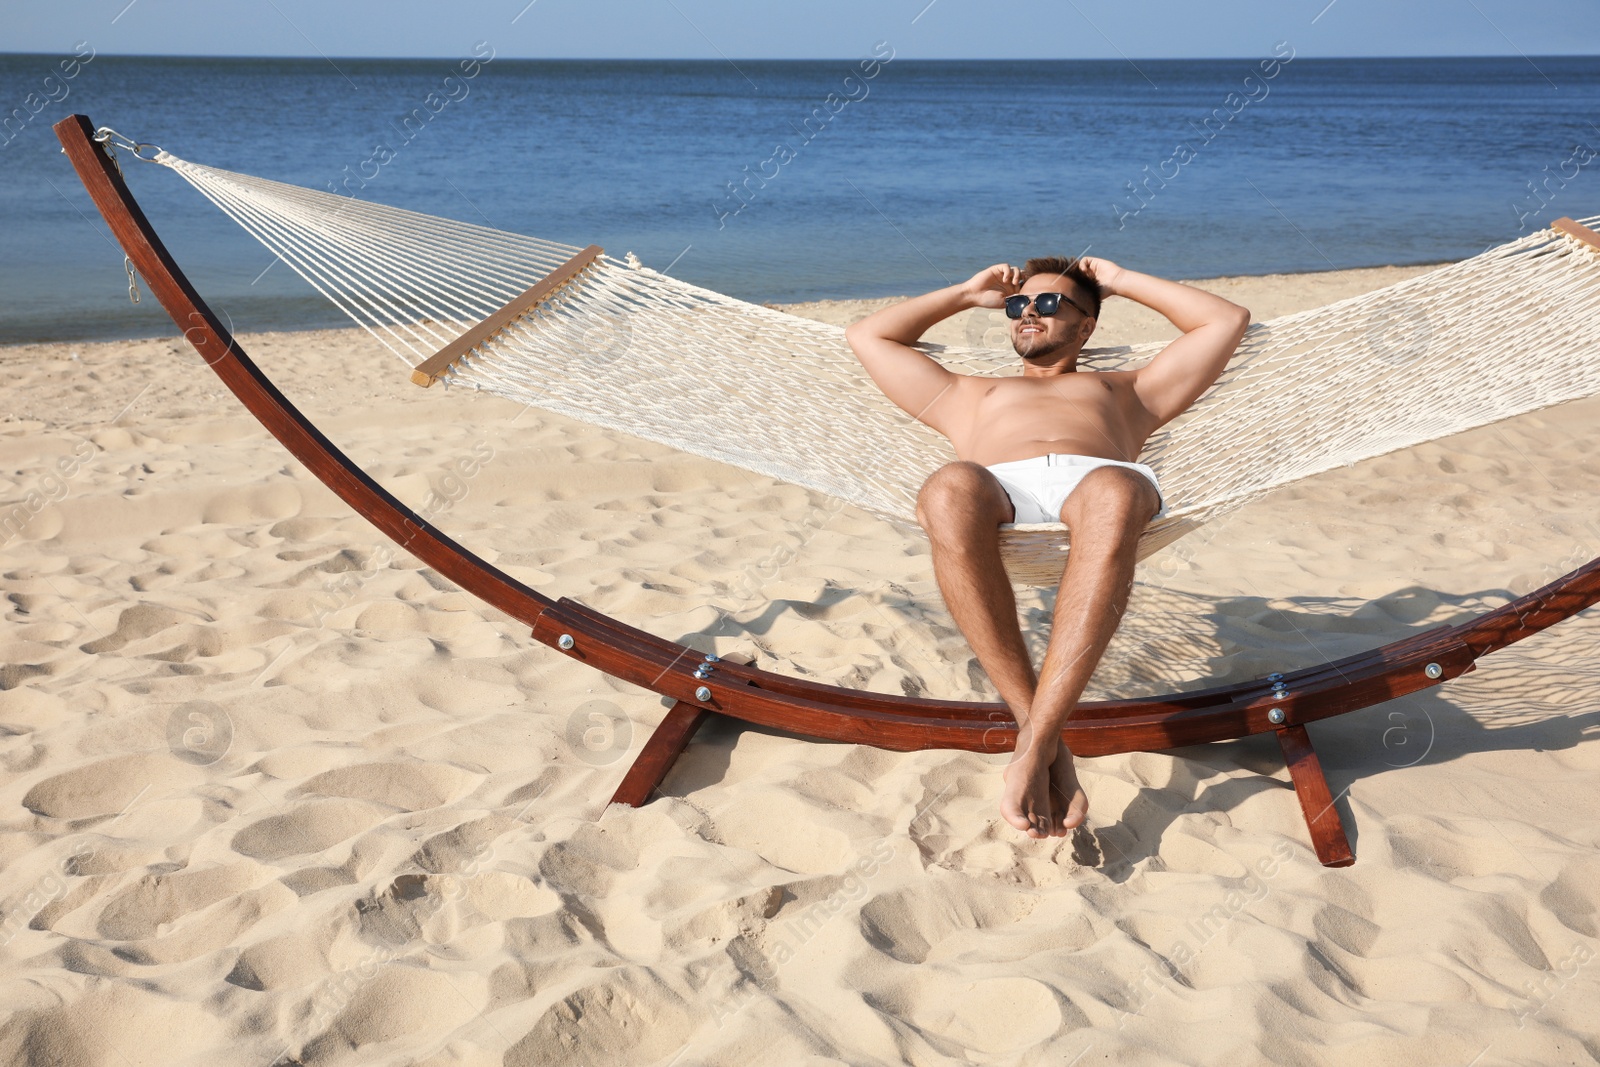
(784, 181)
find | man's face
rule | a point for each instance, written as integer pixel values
(1037, 337)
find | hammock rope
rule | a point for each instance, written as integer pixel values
(622, 346)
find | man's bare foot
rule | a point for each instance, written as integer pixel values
(1069, 804)
(1025, 794)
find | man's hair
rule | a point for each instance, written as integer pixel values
(1067, 268)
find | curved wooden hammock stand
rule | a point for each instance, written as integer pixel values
(702, 685)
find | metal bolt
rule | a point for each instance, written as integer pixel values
(712, 657)
(565, 642)
(702, 694)
(703, 671)
(1433, 670)
(1280, 686)
(1274, 677)
(1275, 716)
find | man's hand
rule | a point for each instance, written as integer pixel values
(989, 287)
(1105, 273)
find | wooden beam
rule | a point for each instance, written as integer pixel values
(658, 754)
(1437, 644)
(434, 367)
(908, 724)
(1573, 228)
(1316, 802)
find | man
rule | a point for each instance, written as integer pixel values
(1055, 444)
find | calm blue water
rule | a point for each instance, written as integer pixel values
(926, 172)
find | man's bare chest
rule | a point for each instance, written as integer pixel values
(1084, 395)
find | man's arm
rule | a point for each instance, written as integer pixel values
(882, 341)
(1212, 328)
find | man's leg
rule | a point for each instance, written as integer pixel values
(961, 507)
(1105, 515)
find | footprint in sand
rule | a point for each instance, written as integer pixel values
(629, 1018)
(911, 924)
(140, 910)
(310, 827)
(109, 786)
(407, 785)
(296, 958)
(990, 1016)
(108, 1024)
(355, 1008)
(137, 623)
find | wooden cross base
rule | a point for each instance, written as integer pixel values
(659, 753)
(1316, 802)
(1322, 818)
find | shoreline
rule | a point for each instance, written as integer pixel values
(1347, 281)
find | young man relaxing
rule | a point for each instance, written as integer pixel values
(1057, 444)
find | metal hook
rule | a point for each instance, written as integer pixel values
(106, 135)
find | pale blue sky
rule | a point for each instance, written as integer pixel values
(712, 29)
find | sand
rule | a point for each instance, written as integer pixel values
(272, 793)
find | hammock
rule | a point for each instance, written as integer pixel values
(619, 345)
(1540, 273)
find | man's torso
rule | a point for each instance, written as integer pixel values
(1086, 413)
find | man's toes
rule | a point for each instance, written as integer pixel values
(1013, 814)
(1068, 809)
(1030, 823)
(1077, 810)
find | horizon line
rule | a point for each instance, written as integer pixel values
(810, 59)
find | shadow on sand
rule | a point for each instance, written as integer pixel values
(1540, 694)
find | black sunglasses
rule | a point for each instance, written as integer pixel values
(1046, 304)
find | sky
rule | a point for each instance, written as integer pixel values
(730, 29)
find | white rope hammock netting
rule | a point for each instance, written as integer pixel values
(1508, 331)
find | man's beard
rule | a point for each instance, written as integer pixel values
(1043, 350)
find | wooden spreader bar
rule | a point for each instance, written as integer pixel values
(434, 367)
(701, 686)
(1576, 229)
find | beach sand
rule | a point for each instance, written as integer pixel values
(272, 793)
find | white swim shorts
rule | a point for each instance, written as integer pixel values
(1039, 486)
